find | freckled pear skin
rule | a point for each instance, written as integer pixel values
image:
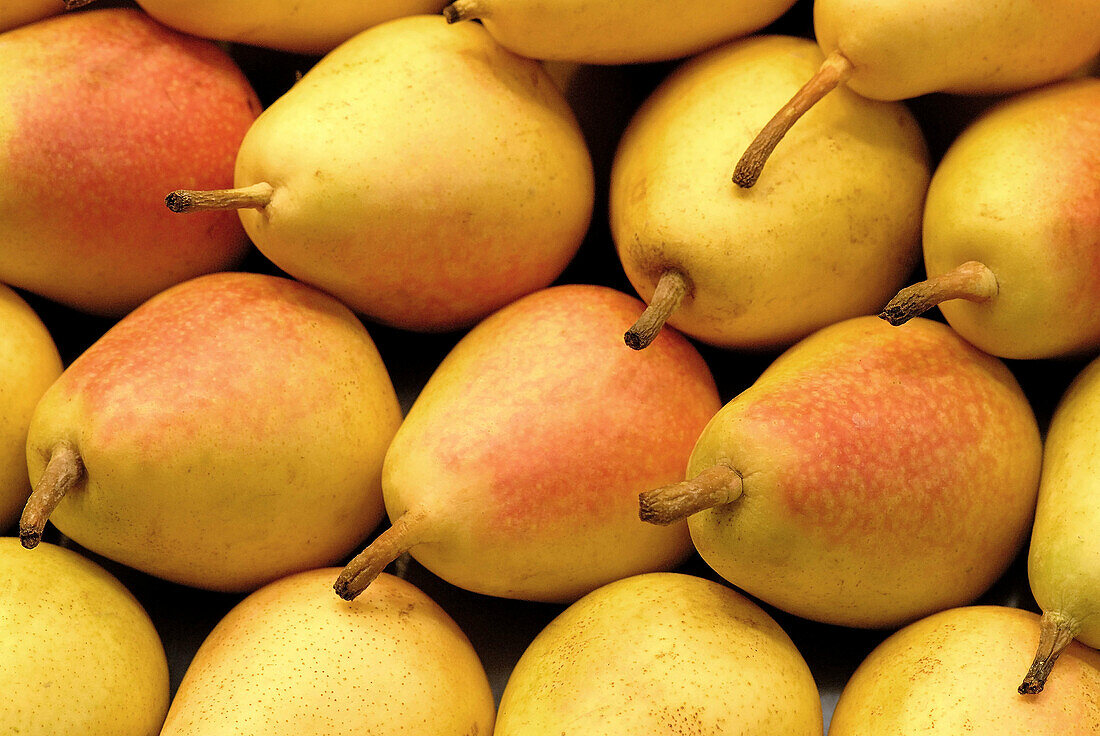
(955, 674)
(614, 32)
(232, 431)
(831, 233)
(294, 660)
(29, 363)
(78, 654)
(304, 27)
(1019, 191)
(528, 446)
(443, 176)
(661, 654)
(888, 472)
(102, 113)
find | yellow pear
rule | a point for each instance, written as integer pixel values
(1012, 228)
(294, 660)
(14, 13)
(78, 654)
(955, 674)
(422, 174)
(29, 363)
(661, 653)
(833, 233)
(1064, 561)
(614, 32)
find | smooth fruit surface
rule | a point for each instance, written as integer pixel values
(651, 654)
(232, 430)
(78, 654)
(29, 363)
(14, 13)
(294, 660)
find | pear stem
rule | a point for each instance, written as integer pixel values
(461, 10)
(833, 71)
(717, 485)
(972, 281)
(671, 289)
(74, 4)
(405, 533)
(254, 197)
(63, 471)
(1056, 631)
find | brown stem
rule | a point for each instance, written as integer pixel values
(972, 281)
(833, 71)
(713, 487)
(255, 197)
(63, 471)
(1056, 631)
(461, 10)
(74, 4)
(671, 289)
(406, 532)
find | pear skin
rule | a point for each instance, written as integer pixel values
(1064, 559)
(613, 32)
(873, 476)
(648, 654)
(1019, 192)
(303, 27)
(955, 673)
(808, 247)
(29, 363)
(442, 178)
(101, 114)
(15, 13)
(78, 654)
(293, 660)
(228, 432)
(517, 470)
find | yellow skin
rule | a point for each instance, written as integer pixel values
(78, 654)
(904, 49)
(661, 654)
(1064, 561)
(442, 178)
(830, 232)
(292, 659)
(15, 13)
(956, 673)
(29, 363)
(289, 25)
(232, 430)
(614, 32)
(1019, 191)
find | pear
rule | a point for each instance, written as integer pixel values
(870, 476)
(894, 50)
(954, 673)
(226, 433)
(292, 660)
(15, 13)
(29, 363)
(764, 268)
(647, 655)
(1064, 560)
(1012, 228)
(613, 32)
(442, 177)
(78, 654)
(515, 473)
(102, 112)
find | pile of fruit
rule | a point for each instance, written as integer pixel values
(326, 406)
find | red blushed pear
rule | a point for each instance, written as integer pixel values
(894, 50)
(870, 476)
(226, 433)
(517, 470)
(1012, 228)
(100, 114)
(441, 178)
